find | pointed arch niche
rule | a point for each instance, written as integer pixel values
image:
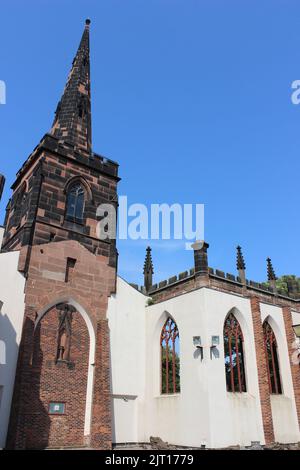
(92, 348)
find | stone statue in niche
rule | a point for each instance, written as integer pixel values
(65, 315)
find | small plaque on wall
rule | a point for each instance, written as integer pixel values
(56, 408)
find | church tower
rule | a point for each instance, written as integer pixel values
(62, 388)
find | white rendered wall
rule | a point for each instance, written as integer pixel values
(11, 319)
(284, 410)
(125, 419)
(204, 412)
(236, 417)
(296, 318)
(126, 315)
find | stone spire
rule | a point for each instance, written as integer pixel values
(271, 274)
(148, 270)
(2, 183)
(72, 122)
(240, 264)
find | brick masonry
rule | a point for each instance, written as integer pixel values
(39, 380)
(197, 281)
(262, 372)
(101, 435)
(290, 337)
(51, 382)
(36, 212)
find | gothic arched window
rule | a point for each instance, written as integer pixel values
(272, 359)
(75, 203)
(234, 355)
(170, 361)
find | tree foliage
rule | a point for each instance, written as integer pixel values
(170, 371)
(282, 283)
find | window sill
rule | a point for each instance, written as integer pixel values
(239, 396)
(279, 396)
(168, 395)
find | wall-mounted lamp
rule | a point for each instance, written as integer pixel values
(197, 343)
(296, 329)
(214, 352)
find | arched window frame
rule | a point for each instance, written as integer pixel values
(75, 190)
(234, 355)
(170, 361)
(272, 359)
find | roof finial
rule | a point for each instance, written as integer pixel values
(240, 264)
(2, 183)
(270, 269)
(148, 270)
(271, 275)
(87, 21)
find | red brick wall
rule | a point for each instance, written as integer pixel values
(262, 371)
(90, 285)
(101, 434)
(295, 369)
(192, 283)
(51, 382)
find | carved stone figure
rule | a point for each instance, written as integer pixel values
(65, 315)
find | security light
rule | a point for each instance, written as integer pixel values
(215, 340)
(197, 341)
(198, 345)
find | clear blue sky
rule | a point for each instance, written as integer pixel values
(191, 97)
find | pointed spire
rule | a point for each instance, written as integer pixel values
(72, 122)
(2, 183)
(148, 270)
(240, 264)
(270, 269)
(271, 275)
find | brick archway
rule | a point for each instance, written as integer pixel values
(92, 345)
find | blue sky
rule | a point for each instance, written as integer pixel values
(191, 97)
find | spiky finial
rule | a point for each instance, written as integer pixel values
(72, 122)
(2, 182)
(148, 265)
(270, 269)
(148, 269)
(240, 262)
